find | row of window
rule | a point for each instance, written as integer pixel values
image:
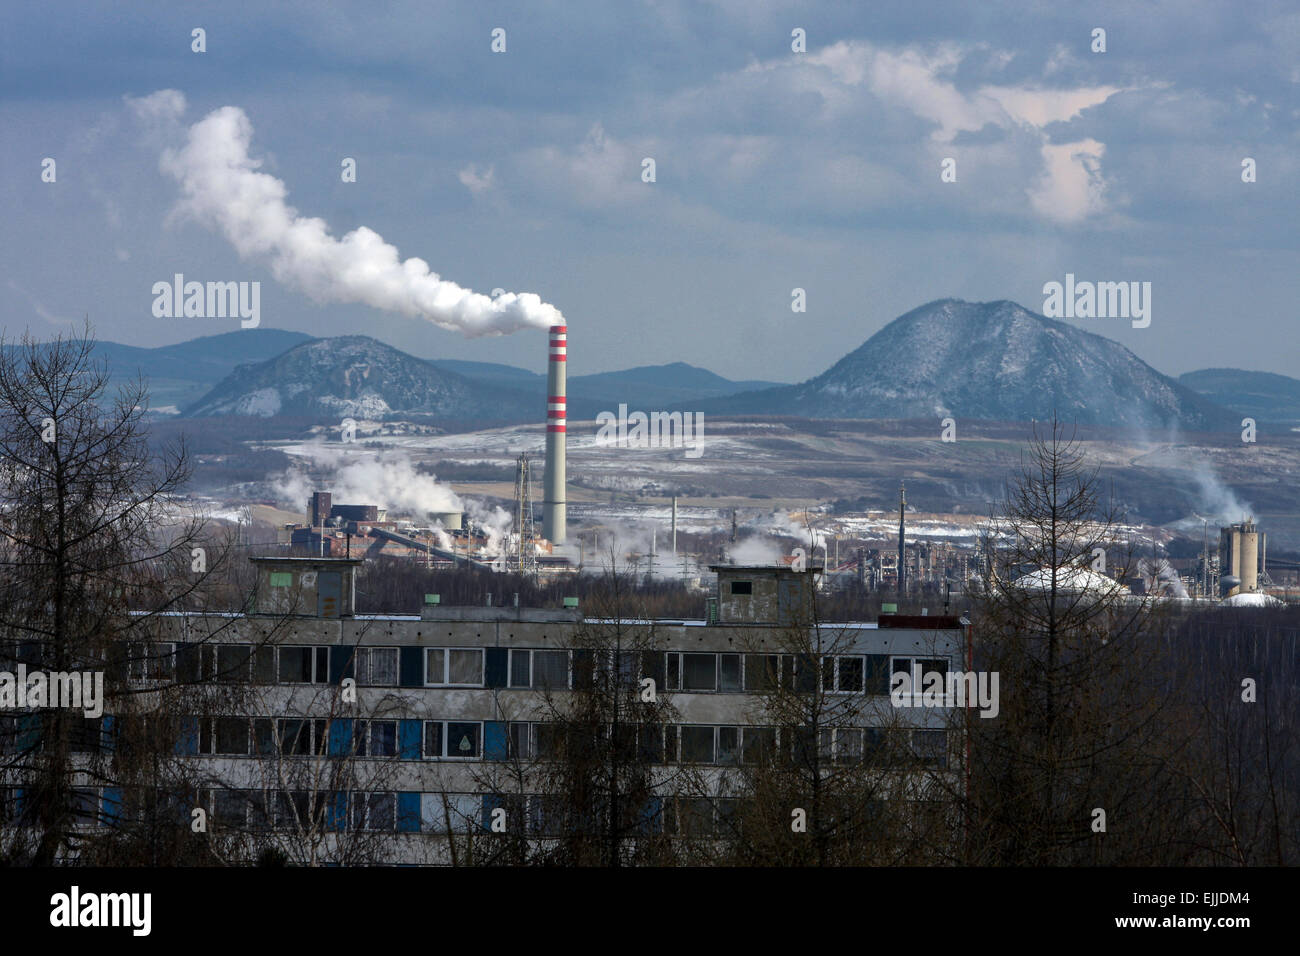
(87, 803)
(526, 668)
(536, 815)
(477, 740)
(494, 740)
(23, 732)
(521, 668)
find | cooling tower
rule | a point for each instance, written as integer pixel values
(553, 517)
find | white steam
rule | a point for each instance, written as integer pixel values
(222, 188)
(756, 550)
(390, 483)
(494, 524)
(1162, 571)
(1216, 500)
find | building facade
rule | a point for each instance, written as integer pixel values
(346, 738)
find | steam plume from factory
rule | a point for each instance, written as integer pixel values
(222, 188)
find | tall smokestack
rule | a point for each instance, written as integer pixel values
(902, 539)
(553, 505)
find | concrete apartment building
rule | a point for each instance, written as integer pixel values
(398, 722)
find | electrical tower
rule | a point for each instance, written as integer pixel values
(525, 556)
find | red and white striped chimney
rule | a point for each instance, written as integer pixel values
(553, 505)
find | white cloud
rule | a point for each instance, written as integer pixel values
(600, 172)
(477, 183)
(1039, 107)
(162, 106)
(1072, 187)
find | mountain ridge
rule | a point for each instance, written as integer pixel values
(991, 361)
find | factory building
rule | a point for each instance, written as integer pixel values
(399, 721)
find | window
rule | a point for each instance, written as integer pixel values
(918, 671)
(152, 661)
(842, 674)
(850, 675)
(671, 736)
(931, 747)
(263, 736)
(375, 738)
(877, 674)
(230, 809)
(521, 668)
(848, 745)
(551, 670)
(518, 740)
(85, 807)
(758, 744)
(233, 662)
(450, 739)
(652, 666)
(936, 666)
(293, 809)
(264, 664)
(547, 741)
(729, 672)
(728, 745)
(224, 735)
(464, 667)
(697, 744)
(742, 587)
(799, 673)
(375, 666)
(374, 811)
(628, 669)
(690, 816)
(546, 815)
(302, 737)
(85, 734)
(826, 745)
(189, 663)
(304, 665)
(281, 579)
(760, 672)
(258, 819)
(620, 668)
(453, 667)
(463, 739)
(699, 672)
(650, 740)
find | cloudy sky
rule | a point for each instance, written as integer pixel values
(774, 170)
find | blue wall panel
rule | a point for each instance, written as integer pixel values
(408, 739)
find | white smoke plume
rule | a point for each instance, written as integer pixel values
(494, 523)
(1162, 571)
(756, 550)
(391, 483)
(1217, 501)
(803, 528)
(222, 188)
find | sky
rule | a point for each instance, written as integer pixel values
(524, 170)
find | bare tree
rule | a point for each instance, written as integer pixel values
(1077, 744)
(95, 549)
